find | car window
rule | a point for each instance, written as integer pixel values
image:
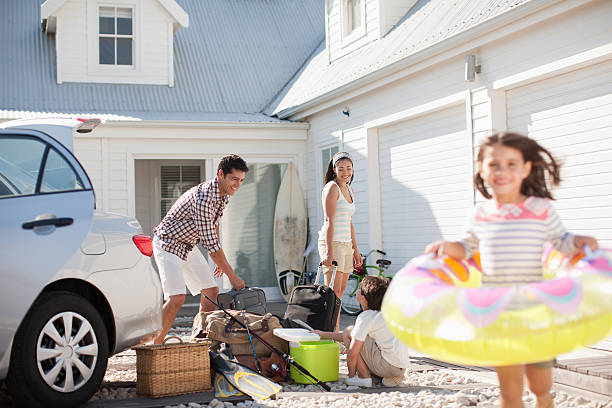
(59, 175)
(20, 160)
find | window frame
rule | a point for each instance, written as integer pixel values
(94, 67)
(116, 36)
(351, 35)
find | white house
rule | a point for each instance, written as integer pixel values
(389, 86)
(181, 83)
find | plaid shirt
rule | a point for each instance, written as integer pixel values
(192, 218)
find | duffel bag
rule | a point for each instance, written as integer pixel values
(216, 325)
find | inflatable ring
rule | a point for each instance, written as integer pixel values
(437, 306)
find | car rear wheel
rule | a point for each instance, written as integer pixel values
(59, 353)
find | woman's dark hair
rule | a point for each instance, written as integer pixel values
(543, 164)
(373, 288)
(330, 174)
(231, 162)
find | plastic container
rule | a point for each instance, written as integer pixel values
(296, 334)
(320, 358)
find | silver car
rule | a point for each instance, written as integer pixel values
(77, 284)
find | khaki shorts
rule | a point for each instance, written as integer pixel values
(375, 361)
(343, 254)
(544, 364)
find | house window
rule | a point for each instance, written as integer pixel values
(353, 15)
(326, 155)
(353, 20)
(175, 180)
(115, 36)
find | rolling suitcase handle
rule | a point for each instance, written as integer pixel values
(333, 278)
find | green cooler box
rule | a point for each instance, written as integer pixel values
(320, 358)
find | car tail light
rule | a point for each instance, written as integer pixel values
(144, 244)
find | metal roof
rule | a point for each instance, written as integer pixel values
(229, 63)
(427, 23)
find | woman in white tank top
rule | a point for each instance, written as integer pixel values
(337, 236)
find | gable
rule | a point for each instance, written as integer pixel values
(228, 64)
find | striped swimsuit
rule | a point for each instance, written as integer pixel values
(511, 239)
(342, 220)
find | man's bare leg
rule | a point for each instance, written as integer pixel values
(205, 304)
(169, 311)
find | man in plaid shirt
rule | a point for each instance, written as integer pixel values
(195, 217)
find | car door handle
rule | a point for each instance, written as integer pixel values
(58, 222)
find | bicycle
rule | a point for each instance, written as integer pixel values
(350, 305)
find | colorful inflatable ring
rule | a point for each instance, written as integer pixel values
(436, 306)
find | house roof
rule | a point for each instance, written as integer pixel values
(50, 7)
(427, 23)
(229, 63)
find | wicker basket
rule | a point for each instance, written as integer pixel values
(172, 368)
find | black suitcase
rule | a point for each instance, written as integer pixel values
(316, 305)
(249, 299)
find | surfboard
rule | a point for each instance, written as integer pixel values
(289, 231)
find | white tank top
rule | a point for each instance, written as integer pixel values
(342, 220)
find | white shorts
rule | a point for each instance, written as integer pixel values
(176, 273)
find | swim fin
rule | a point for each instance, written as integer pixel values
(243, 378)
(223, 389)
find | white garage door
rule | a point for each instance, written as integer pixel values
(426, 182)
(571, 115)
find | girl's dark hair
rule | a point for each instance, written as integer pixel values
(373, 288)
(543, 164)
(330, 174)
(231, 162)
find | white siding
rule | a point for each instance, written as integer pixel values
(327, 127)
(110, 154)
(425, 172)
(76, 37)
(143, 195)
(338, 48)
(354, 142)
(89, 153)
(571, 115)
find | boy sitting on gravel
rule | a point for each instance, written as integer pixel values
(372, 348)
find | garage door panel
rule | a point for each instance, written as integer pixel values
(424, 152)
(429, 172)
(450, 183)
(598, 200)
(583, 191)
(538, 106)
(425, 171)
(572, 124)
(582, 213)
(580, 169)
(571, 115)
(585, 79)
(554, 138)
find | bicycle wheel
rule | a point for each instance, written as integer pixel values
(350, 305)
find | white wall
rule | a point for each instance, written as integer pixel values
(76, 44)
(109, 154)
(531, 51)
(337, 45)
(571, 114)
